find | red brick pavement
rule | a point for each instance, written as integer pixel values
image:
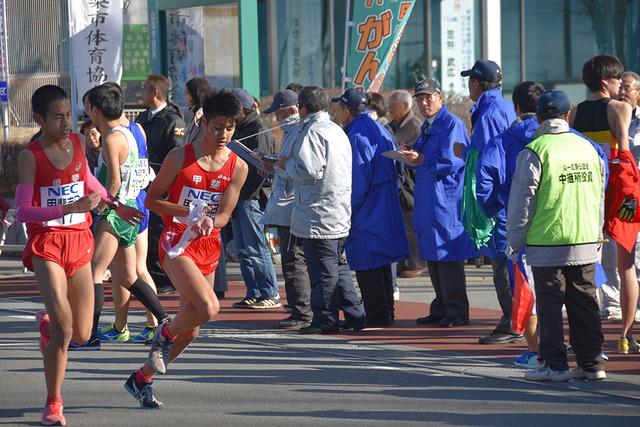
(461, 340)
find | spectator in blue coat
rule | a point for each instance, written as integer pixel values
(442, 240)
(496, 167)
(377, 237)
(491, 116)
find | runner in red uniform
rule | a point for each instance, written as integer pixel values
(205, 172)
(54, 194)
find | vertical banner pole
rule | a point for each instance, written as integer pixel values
(72, 73)
(345, 54)
(5, 75)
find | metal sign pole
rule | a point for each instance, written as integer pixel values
(4, 89)
(74, 83)
(345, 55)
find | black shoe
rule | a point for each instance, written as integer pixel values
(451, 321)
(429, 320)
(92, 345)
(379, 323)
(287, 308)
(293, 324)
(316, 330)
(351, 326)
(142, 392)
(219, 294)
(497, 337)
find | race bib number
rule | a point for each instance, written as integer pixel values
(189, 194)
(63, 195)
(140, 178)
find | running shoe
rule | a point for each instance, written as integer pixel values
(626, 346)
(146, 335)
(528, 360)
(92, 345)
(266, 303)
(52, 414)
(544, 373)
(143, 393)
(160, 349)
(577, 373)
(42, 319)
(245, 303)
(110, 333)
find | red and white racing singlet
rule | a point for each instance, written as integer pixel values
(53, 186)
(195, 183)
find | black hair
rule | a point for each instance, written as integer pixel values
(44, 96)
(598, 68)
(485, 85)
(296, 87)
(87, 124)
(221, 103)
(115, 86)
(198, 89)
(313, 98)
(376, 102)
(108, 100)
(526, 94)
(549, 113)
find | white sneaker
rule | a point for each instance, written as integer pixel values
(545, 373)
(396, 294)
(579, 374)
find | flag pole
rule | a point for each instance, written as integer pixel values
(345, 54)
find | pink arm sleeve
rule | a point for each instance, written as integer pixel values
(26, 213)
(94, 186)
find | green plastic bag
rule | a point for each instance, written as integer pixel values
(475, 222)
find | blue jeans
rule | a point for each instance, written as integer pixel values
(256, 265)
(331, 285)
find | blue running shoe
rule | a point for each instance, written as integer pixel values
(527, 360)
(144, 394)
(146, 335)
(110, 333)
(160, 349)
(92, 345)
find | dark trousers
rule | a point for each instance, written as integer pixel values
(376, 288)
(414, 262)
(574, 287)
(450, 284)
(221, 282)
(156, 225)
(503, 291)
(296, 278)
(331, 285)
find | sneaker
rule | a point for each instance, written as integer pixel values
(42, 318)
(293, 324)
(146, 335)
(544, 373)
(528, 360)
(52, 414)
(110, 333)
(626, 346)
(92, 345)
(396, 293)
(144, 394)
(497, 337)
(266, 303)
(160, 349)
(578, 373)
(245, 303)
(611, 313)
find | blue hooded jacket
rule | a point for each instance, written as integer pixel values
(377, 236)
(496, 166)
(438, 191)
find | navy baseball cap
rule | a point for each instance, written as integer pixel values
(553, 101)
(246, 99)
(282, 99)
(427, 86)
(352, 98)
(484, 70)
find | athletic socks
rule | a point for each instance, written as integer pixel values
(144, 293)
(98, 302)
(141, 378)
(165, 332)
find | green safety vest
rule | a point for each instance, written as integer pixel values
(569, 193)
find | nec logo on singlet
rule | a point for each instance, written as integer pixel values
(63, 195)
(189, 194)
